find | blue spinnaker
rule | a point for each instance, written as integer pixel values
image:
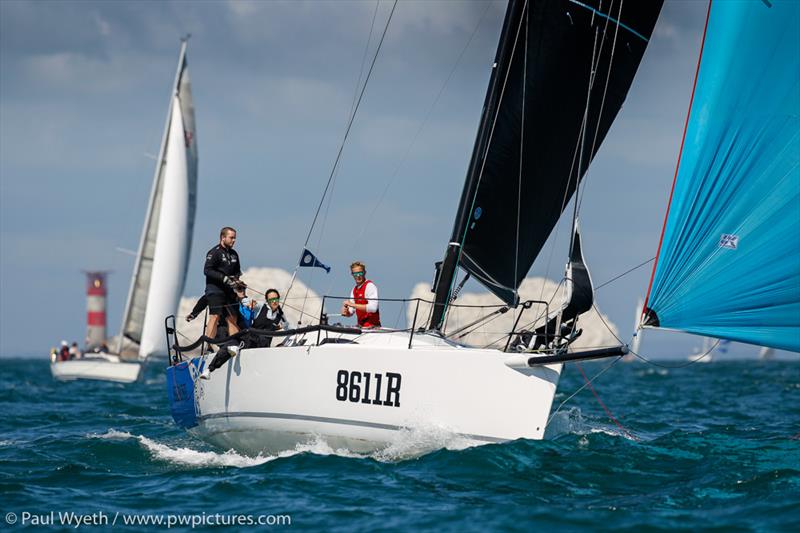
(729, 263)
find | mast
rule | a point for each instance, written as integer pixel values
(153, 191)
(446, 276)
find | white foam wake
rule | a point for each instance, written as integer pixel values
(409, 444)
(572, 422)
(187, 456)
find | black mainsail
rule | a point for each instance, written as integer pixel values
(562, 71)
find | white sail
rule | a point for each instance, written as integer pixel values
(162, 261)
(171, 251)
(766, 353)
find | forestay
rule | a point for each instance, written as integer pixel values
(729, 262)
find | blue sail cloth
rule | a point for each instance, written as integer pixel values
(729, 264)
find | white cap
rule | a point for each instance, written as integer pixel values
(63, 343)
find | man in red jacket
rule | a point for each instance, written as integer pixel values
(363, 298)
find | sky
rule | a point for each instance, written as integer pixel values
(84, 91)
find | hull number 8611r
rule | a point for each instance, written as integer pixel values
(368, 387)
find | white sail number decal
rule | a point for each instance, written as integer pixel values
(356, 387)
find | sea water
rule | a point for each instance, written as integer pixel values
(704, 447)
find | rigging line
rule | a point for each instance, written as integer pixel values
(349, 126)
(486, 320)
(571, 396)
(350, 123)
(680, 154)
(581, 130)
(579, 199)
(364, 56)
(596, 54)
(603, 405)
(419, 130)
(643, 358)
(488, 144)
(336, 175)
(544, 313)
(521, 154)
(615, 278)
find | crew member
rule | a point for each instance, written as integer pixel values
(222, 270)
(63, 352)
(363, 298)
(74, 351)
(267, 316)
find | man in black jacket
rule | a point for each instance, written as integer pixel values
(222, 270)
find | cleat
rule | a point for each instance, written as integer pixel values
(205, 374)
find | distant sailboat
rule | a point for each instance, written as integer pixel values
(706, 353)
(728, 265)
(163, 257)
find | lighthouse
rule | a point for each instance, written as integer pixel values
(95, 309)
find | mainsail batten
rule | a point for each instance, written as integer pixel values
(729, 262)
(552, 54)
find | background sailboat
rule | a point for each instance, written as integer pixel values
(162, 260)
(708, 351)
(728, 265)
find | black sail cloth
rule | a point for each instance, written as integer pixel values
(526, 162)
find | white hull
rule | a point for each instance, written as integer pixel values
(272, 399)
(105, 368)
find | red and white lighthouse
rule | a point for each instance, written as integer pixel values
(95, 309)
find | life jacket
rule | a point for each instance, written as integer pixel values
(365, 318)
(64, 353)
(262, 322)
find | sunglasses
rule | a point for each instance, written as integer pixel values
(358, 274)
(273, 300)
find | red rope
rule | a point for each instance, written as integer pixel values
(678, 164)
(608, 412)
